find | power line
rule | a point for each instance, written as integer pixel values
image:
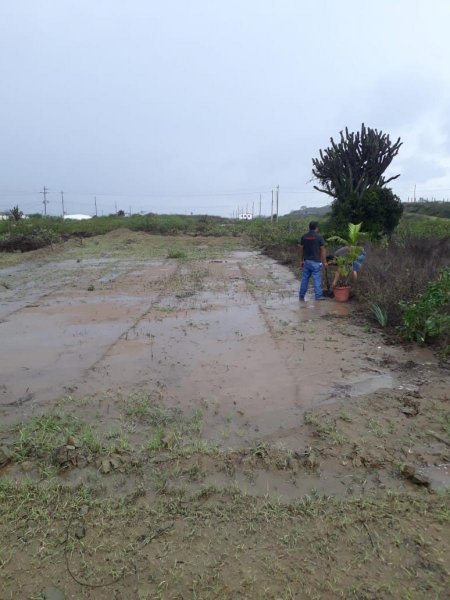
(146, 195)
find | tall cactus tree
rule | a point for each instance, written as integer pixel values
(356, 164)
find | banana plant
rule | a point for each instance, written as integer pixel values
(353, 243)
(355, 236)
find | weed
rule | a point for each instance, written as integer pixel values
(43, 435)
(176, 253)
(428, 317)
(379, 314)
(156, 442)
(345, 416)
(375, 427)
(398, 273)
(194, 472)
(445, 423)
(320, 425)
(120, 441)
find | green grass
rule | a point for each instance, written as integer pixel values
(174, 253)
(221, 545)
(326, 429)
(40, 438)
(421, 226)
(430, 209)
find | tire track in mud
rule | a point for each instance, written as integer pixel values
(249, 284)
(125, 333)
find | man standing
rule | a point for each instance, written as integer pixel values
(312, 257)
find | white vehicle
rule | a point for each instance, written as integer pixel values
(245, 217)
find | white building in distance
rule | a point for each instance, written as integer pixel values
(77, 217)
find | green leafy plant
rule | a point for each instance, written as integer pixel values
(379, 314)
(428, 319)
(354, 249)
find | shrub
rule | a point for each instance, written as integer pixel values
(398, 273)
(428, 319)
(24, 241)
(379, 208)
(176, 253)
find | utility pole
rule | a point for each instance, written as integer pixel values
(44, 202)
(278, 192)
(414, 192)
(253, 209)
(115, 204)
(62, 204)
(271, 210)
(259, 204)
(95, 204)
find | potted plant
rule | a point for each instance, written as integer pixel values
(346, 260)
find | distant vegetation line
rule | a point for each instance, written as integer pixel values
(431, 209)
(37, 232)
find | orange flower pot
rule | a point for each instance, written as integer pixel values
(342, 294)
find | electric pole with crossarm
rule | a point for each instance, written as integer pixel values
(44, 202)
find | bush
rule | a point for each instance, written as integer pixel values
(379, 209)
(24, 241)
(399, 272)
(176, 253)
(37, 232)
(428, 319)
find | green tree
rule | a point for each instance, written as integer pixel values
(15, 213)
(379, 209)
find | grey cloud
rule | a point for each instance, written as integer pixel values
(421, 170)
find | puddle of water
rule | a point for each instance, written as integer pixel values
(241, 348)
(366, 385)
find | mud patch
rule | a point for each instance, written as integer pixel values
(173, 428)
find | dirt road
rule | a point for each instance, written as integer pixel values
(206, 362)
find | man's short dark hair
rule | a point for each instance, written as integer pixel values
(313, 225)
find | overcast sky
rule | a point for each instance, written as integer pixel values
(201, 105)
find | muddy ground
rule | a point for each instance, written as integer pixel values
(175, 424)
